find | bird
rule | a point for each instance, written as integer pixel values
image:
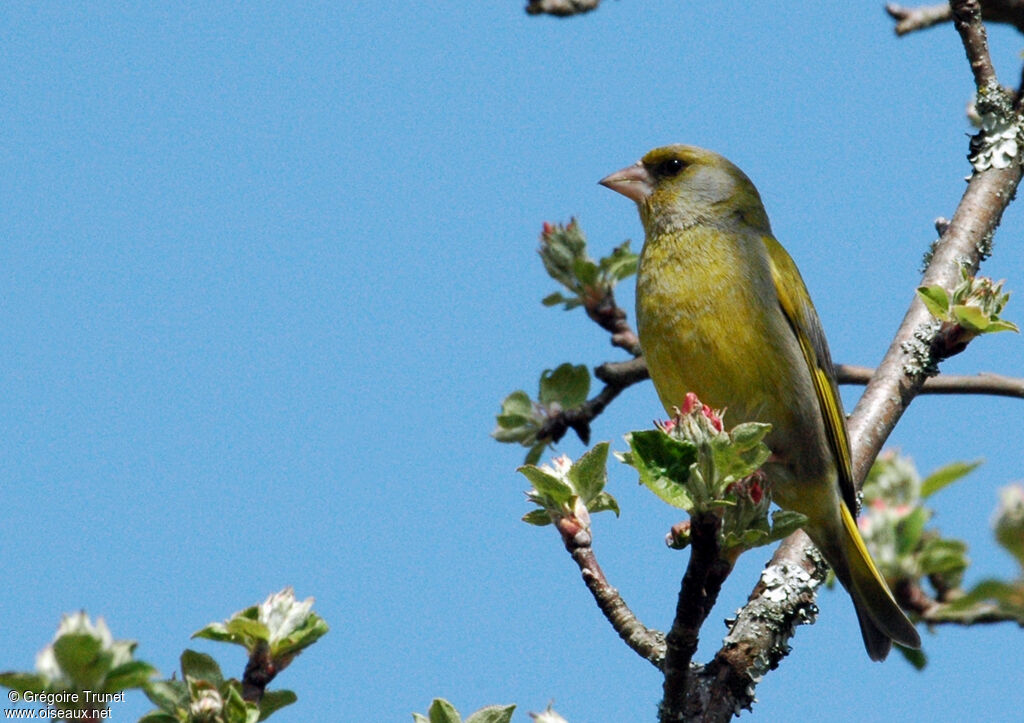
(723, 312)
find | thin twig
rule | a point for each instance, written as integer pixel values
(981, 614)
(981, 383)
(648, 643)
(611, 317)
(561, 8)
(578, 418)
(623, 373)
(617, 376)
(910, 19)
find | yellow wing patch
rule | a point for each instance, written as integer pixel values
(803, 319)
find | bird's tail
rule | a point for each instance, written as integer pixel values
(881, 619)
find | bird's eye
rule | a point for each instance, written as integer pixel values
(671, 167)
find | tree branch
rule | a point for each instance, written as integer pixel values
(578, 418)
(915, 352)
(611, 317)
(981, 383)
(561, 8)
(939, 612)
(908, 20)
(617, 376)
(705, 573)
(646, 642)
(259, 671)
(967, 20)
(759, 637)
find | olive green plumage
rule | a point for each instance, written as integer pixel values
(723, 312)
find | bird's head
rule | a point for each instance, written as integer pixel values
(679, 186)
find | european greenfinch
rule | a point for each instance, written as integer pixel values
(722, 311)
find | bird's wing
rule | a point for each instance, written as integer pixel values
(803, 320)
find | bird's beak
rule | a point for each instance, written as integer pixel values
(633, 182)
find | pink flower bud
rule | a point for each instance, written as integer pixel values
(716, 422)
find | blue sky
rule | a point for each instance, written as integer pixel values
(267, 272)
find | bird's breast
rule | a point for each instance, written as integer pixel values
(710, 323)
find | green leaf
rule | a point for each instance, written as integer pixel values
(909, 529)
(133, 674)
(274, 700)
(536, 452)
(749, 434)
(945, 476)
(1009, 596)
(82, 658)
(984, 591)
(568, 385)
(312, 629)
(553, 299)
(585, 270)
(200, 666)
(246, 626)
(238, 710)
(537, 517)
(518, 421)
(159, 717)
(971, 318)
(1007, 599)
(747, 539)
(492, 714)
(218, 632)
(23, 682)
(167, 695)
(511, 421)
(518, 434)
(589, 474)
(518, 403)
(917, 658)
(441, 711)
(602, 502)
(1001, 325)
(785, 523)
(734, 462)
(943, 557)
(663, 464)
(663, 454)
(936, 299)
(547, 484)
(620, 264)
(417, 718)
